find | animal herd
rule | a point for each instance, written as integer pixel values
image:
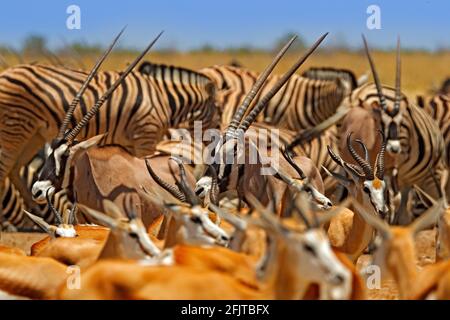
(160, 182)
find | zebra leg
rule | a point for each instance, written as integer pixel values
(402, 215)
(18, 158)
(24, 190)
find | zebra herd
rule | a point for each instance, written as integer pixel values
(63, 131)
(157, 97)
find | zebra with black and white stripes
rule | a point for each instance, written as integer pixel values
(34, 100)
(302, 103)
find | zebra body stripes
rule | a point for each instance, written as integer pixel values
(438, 107)
(34, 99)
(302, 103)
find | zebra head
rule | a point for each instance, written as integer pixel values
(365, 183)
(392, 115)
(56, 167)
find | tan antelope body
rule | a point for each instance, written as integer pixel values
(111, 173)
(397, 256)
(214, 273)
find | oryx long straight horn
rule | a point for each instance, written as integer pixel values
(83, 88)
(73, 133)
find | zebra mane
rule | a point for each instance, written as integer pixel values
(329, 73)
(164, 71)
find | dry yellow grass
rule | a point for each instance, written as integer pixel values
(421, 70)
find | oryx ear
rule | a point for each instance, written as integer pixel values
(85, 145)
(75, 151)
(48, 228)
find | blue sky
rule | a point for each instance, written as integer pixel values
(189, 24)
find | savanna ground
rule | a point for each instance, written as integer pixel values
(422, 72)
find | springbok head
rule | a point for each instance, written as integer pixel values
(127, 226)
(309, 252)
(302, 183)
(364, 183)
(391, 117)
(198, 227)
(231, 151)
(65, 223)
(56, 169)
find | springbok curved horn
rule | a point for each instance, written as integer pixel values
(163, 184)
(57, 215)
(379, 164)
(365, 165)
(398, 93)
(349, 166)
(76, 100)
(93, 111)
(255, 89)
(375, 76)
(363, 146)
(291, 161)
(214, 186)
(71, 216)
(264, 100)
(189, 194)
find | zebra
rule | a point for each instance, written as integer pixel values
(13, 203)
(347, 77)
(301, 104)
(438, 107)
(414, 142)
(35, 98)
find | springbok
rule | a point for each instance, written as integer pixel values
(397, 256)
(31, 277)
(292, 262)
(367, 186)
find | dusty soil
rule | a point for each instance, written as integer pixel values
(20, 240)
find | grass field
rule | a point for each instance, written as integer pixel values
(421, 71)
